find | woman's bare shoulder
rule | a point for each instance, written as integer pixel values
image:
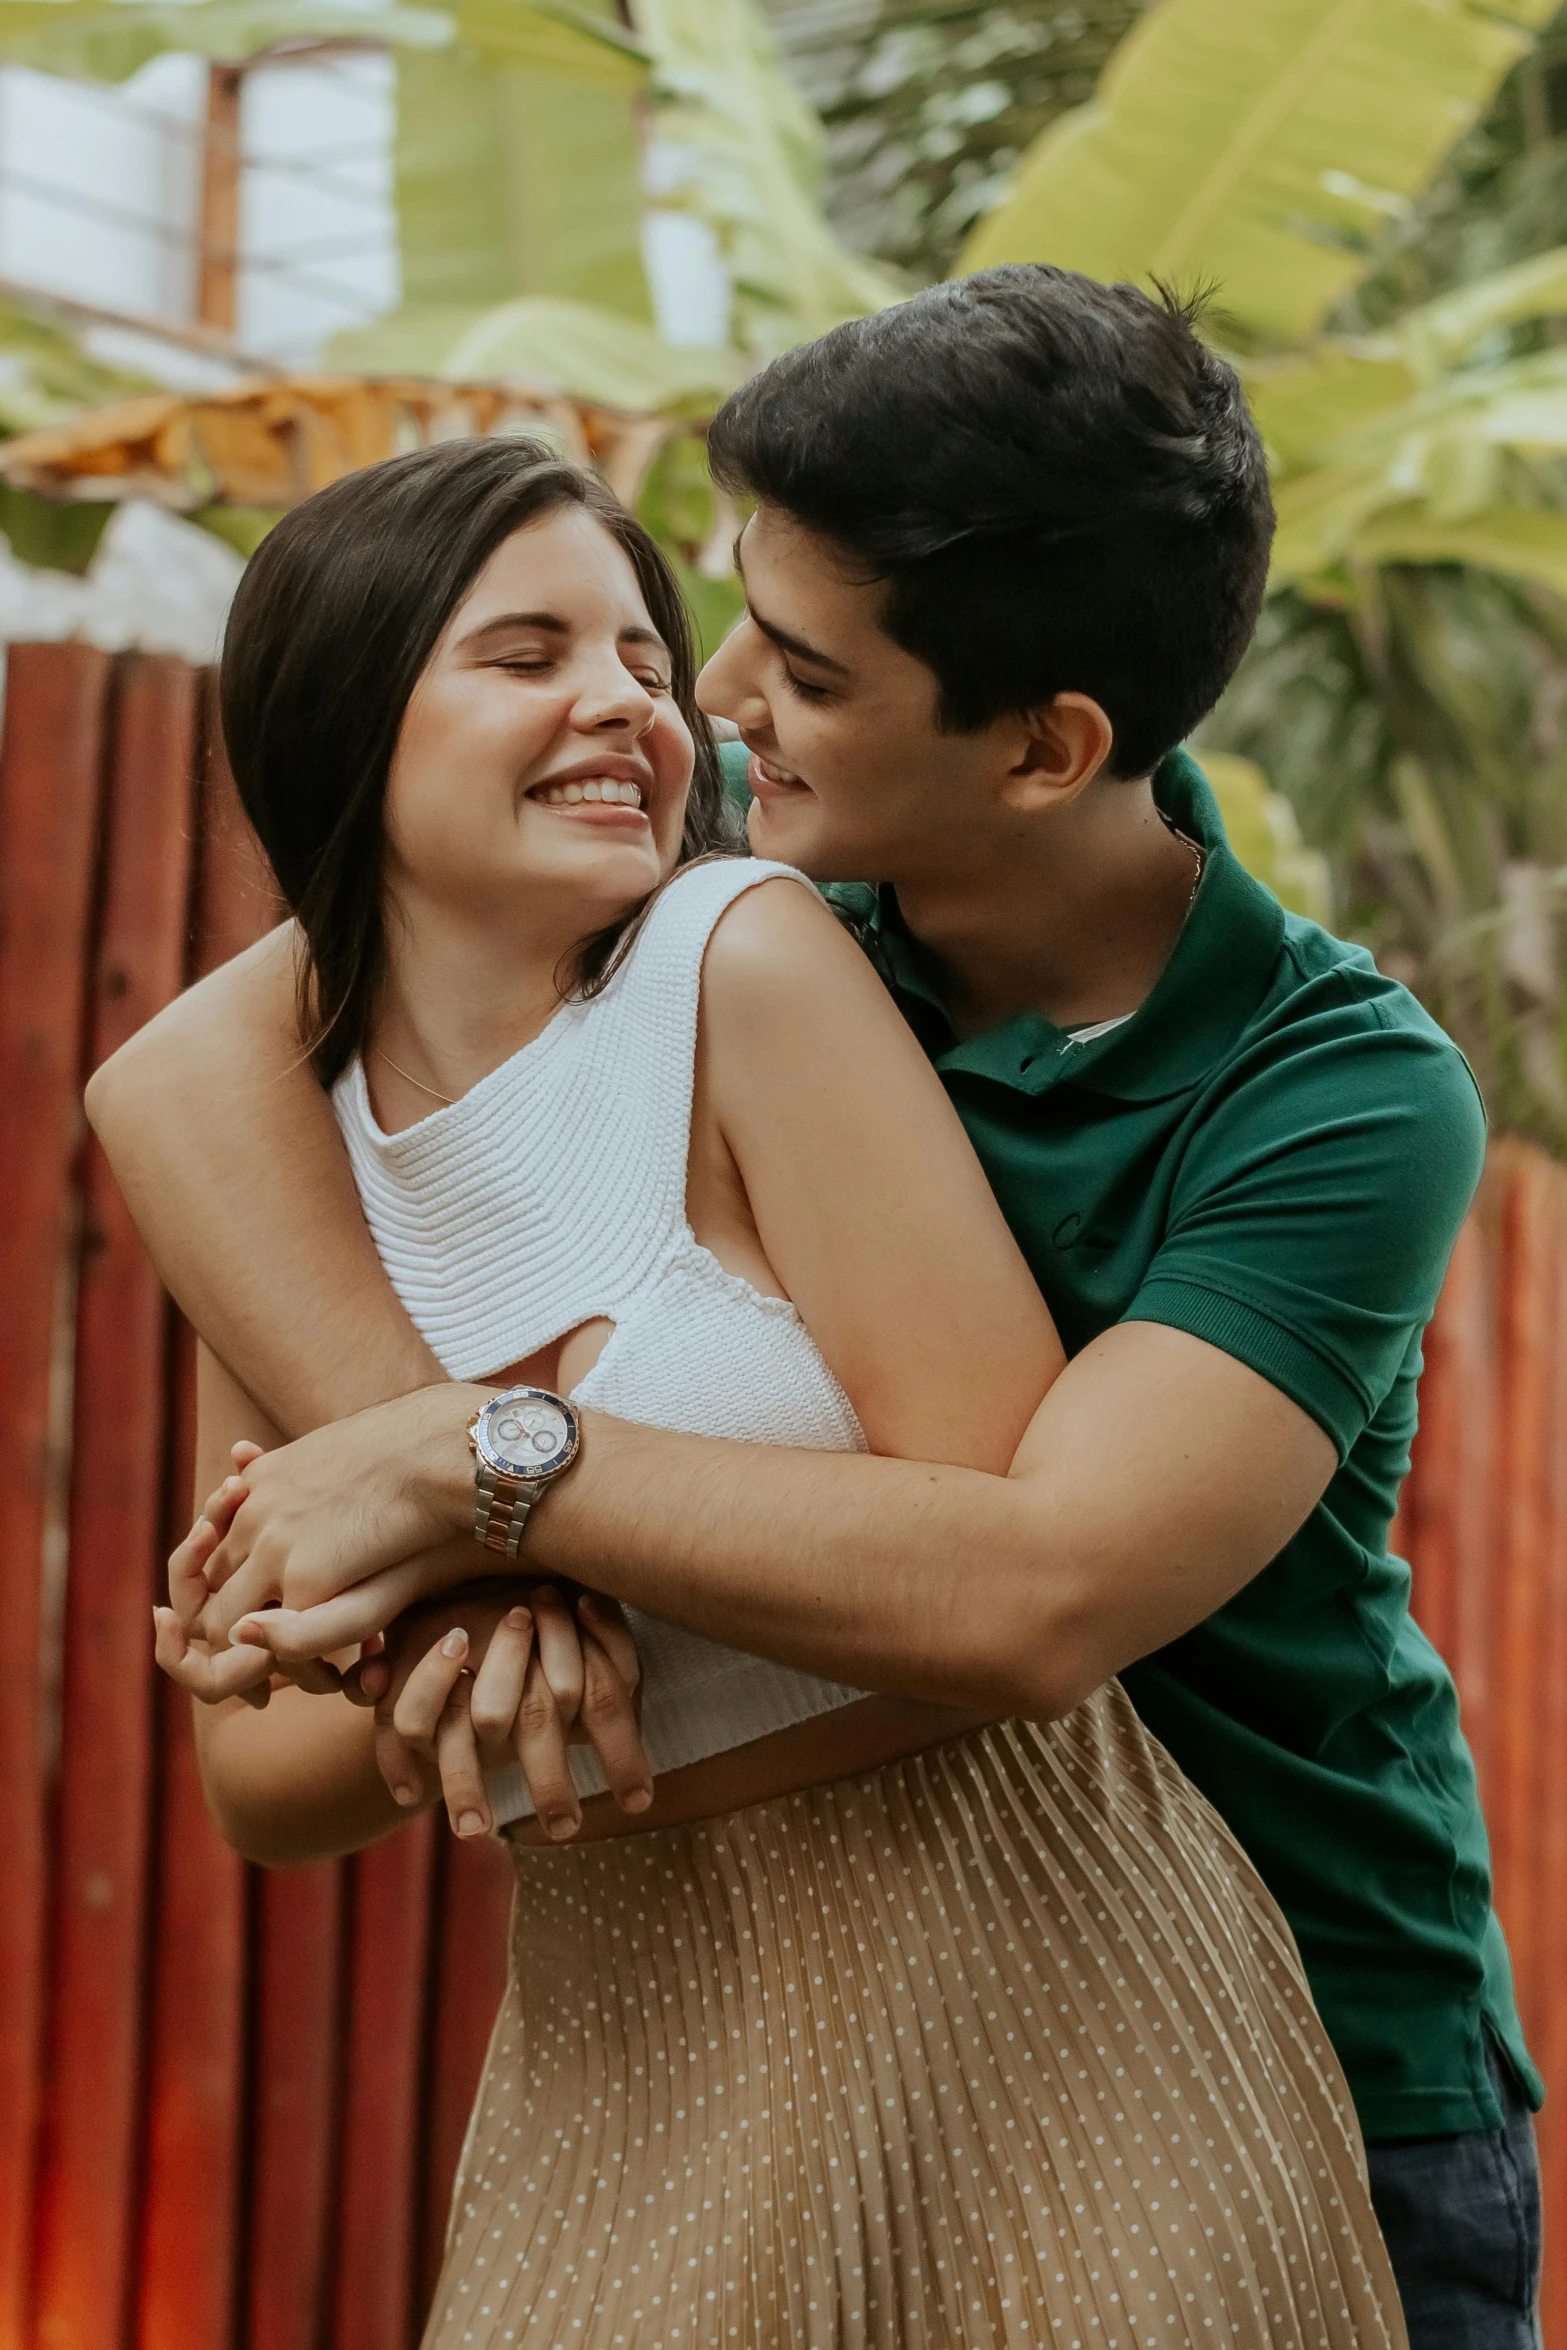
(779, 949)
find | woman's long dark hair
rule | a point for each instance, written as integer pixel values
(335, 620)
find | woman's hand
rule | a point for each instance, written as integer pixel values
(303, 1523)
(207, 1669)
(195, 1655)
(548, 1678)
(468, 1683)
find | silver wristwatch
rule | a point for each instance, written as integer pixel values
(521, 1442)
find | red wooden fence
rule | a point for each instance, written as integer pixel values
(231, 2103)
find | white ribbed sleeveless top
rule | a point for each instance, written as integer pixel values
(553, 1193)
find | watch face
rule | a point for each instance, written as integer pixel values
(529, 1435)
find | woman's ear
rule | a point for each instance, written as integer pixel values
(1066, 744)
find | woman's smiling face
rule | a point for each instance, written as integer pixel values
(542, 751)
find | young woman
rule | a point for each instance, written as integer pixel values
(881, 2018)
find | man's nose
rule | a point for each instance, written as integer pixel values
(727, 687)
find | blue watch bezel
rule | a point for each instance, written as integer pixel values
(502, 1464)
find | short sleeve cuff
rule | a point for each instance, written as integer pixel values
(1278, 1355)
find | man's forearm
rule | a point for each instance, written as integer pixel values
(1158, 1477)
(902, 1577)
(1018, 1593)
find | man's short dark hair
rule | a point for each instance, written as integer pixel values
(1058, 481)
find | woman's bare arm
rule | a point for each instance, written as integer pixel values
(297, 1782)
(867, 1196)
(230, 1159)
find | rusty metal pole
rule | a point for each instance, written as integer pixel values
(217, 272)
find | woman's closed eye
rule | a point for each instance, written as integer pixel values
(806, 692)
(540, 664)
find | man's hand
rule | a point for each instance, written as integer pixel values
(470, 1682)
(347, 1503)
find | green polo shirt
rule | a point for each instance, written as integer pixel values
(1276, 1153)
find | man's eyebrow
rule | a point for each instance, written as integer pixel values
(785, 639)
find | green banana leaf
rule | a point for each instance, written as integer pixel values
(1526, 543)
(94, 42)
(49, 533)
(107, 43)
(748, 155)
(45, 375)
(1384, 441)
(571, 347)
(1307, 404)
(1258, 144)
(588, 42)
(493, 197)
(1331, 520)
(1448, 329)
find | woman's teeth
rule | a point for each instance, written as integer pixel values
(602, 788)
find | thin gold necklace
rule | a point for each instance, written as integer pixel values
(1199, 858)
(446, 1100)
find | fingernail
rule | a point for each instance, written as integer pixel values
(638, 1798)
(405, 1795)
(517, 1619)
(562, 1824)
(454, 1643)
(203, 1526)
(470, 1823)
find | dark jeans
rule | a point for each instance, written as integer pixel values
(1462, 2221)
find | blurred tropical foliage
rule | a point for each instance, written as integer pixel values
(930, 105)
(1407, 687)
(524, 132)
(1401, 343)
(45, 379)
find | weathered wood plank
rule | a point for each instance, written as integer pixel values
(297, 2026)
(373, 2300)
(191, 2217)
(87, 2168)
(51, 763)
(195, 2160)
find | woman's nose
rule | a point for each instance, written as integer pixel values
(612, 697)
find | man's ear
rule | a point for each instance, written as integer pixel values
(1066, 744)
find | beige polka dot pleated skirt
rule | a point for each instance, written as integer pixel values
(1004, 2044)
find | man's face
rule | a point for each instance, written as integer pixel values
(853, 780)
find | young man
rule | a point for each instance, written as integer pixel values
(1010, 543)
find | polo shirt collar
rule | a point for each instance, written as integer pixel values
(1202, 1000)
